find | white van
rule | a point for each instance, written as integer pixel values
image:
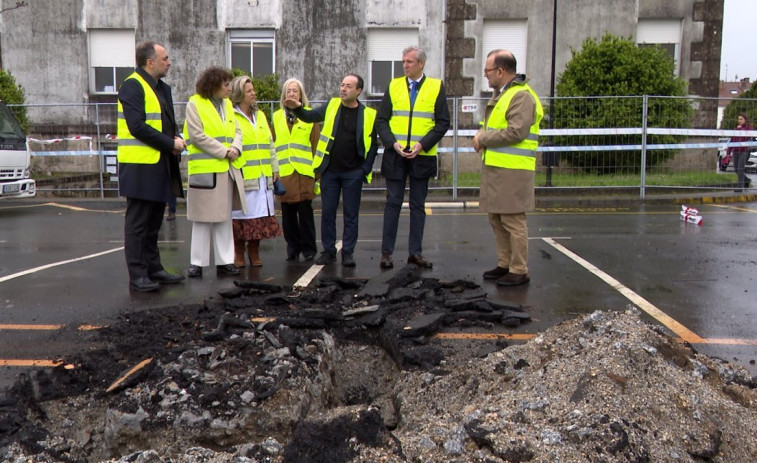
(15, 159)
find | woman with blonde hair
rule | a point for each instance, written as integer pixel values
(214, 143)
(295, 143)
(260, 171)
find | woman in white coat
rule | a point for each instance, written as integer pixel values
(214, 143)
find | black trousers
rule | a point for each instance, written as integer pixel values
(141, 228)
(395, 194)
(299, 228)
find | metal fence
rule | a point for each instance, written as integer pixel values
(645, 144)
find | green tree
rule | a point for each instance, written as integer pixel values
(13, 94)
(266, 89)
(612, 75)
(744, 103)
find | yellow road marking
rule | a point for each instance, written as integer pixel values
(29, 363)
(29, 327)
(677, 328)
(740, 209)
(475, 336)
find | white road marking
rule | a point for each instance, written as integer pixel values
(56, 264)
(313, 271)
(680, 330)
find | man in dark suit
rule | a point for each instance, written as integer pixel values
(149, 146)
(413, 117)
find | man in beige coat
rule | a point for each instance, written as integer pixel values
(507, 143)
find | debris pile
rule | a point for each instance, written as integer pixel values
(349, 371)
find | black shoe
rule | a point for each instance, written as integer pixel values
(194, 271)
(496, 272)
(308, 257)
(348, 260)
(143, 285)
(386, 260)
(420, 261)
(513, 279)
(166, 278)
(228, 269)
(325, 258)
(293, 257)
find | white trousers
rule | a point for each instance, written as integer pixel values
(223, 243)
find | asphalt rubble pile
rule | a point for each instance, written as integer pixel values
(350, 371)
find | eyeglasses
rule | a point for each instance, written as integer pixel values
(487, 70)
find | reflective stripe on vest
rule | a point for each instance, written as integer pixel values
(369, 117)
(256, 146)
(422, 111)
(220, 130)
(131, 150)
(522, 155)
(294, 150)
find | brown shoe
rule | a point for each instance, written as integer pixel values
(496, 272)
(513, 279)
(420, 261)
(386, 260)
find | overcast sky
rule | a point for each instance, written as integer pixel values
(738, 57)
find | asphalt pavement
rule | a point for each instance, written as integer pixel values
(62, 267)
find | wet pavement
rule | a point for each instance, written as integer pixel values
(62, 268)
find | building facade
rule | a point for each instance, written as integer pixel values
(78, 51)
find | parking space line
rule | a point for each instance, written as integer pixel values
(735, 208)
(677, 328)
(56, 264)
(513, 337)
(313, 271)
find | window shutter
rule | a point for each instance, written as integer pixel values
(387, 44)
(111, 48)
(510, 34)
(658, 31)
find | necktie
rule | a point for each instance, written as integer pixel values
(413, 92)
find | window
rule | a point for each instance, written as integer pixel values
(385, 56)
(510, 34)
(111, 59)
(252, 51)
(663, 32)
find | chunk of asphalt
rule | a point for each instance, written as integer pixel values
(378, 286)
(423, 325)
(262, 287)
(506, 305)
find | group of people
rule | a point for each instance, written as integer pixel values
(235, 158)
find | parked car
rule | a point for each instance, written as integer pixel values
(725, 160)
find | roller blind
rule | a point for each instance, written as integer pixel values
(111, 48)
(509, 34)
(658, 31)
(387, 44)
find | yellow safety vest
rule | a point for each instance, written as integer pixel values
(522, 155)
(294, 150)
(422, 111)
(256, 146)
(222, 130)
(327, 133)
(131, 150)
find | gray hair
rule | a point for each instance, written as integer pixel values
(303, 95)
(418, 50)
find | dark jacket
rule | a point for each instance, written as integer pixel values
(319, 114)
(152, 182)
(394, 166)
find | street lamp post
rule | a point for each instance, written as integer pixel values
(550, 157)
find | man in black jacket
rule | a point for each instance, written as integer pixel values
(149, 146)
(343, 160)
(413, 117)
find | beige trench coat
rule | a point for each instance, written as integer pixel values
(214, 205)
(508, 191)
